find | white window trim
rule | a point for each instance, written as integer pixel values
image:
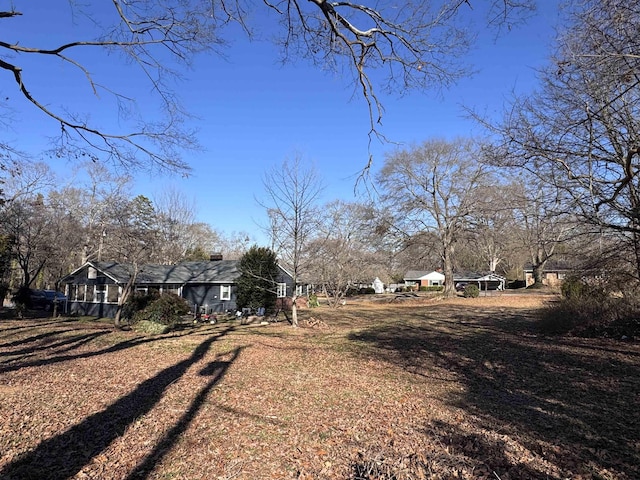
(281, 290)
(224, 288)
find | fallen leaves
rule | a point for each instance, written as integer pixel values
(449, 390)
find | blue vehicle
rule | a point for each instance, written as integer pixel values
(46, 299)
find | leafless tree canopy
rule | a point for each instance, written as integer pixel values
(414, 44)
(581, 131)
(292, 191)
(434, 188)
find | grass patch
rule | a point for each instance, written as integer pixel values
(149, 327)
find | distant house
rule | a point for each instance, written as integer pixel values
(553, 274)
(484, 281)
(421, 278)
(95, 288)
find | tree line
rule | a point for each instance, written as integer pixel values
(47, 231)
(556, 176)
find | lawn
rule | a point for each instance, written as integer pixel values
(404, 389)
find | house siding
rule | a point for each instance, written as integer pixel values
(99, 310)
(208, 298)
(199, 283)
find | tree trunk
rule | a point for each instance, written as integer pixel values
(128, 288)
(636, 248)
(447, 258)
(294, 311)
(537, 273)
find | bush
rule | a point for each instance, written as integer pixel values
(166, 310)
(152, 328)
(573, 288)
(431, 288)
(22, 297)
(137, 302)
(313, 301)
(352, 291)
(471, 291)
(588, 309)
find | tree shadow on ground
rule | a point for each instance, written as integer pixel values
(64, 455)
(61, 342)
(569, 401)
(58, 346)
(33, 323)
(216, 370)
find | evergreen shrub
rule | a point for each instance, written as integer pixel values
(471, 291)
(166, 309)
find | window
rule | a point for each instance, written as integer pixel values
(282, 290)
(101, 293)
(89, 296)
(171, 289)
(112, 293)
(299, 290)
(225, 292)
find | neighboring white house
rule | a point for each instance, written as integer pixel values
(423, 278)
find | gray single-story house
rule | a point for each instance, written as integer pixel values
(208, 286)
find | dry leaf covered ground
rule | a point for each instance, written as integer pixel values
(402, 389)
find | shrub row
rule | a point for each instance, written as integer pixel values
(433, 288)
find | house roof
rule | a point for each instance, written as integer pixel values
(219, 271)
(475, 276)
(418, 274)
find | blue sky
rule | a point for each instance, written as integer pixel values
(251, 112)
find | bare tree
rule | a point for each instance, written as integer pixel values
(136, 241)
(489, 241)
(292, 191)
(339, 255)
(30, 226)
(579, 133)
(91, 205)
(27, 223)
(413, 45)
(26, 179)
(234, 245)
(543, 224)
(201, 240)
(175, 213)
(433, 188)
